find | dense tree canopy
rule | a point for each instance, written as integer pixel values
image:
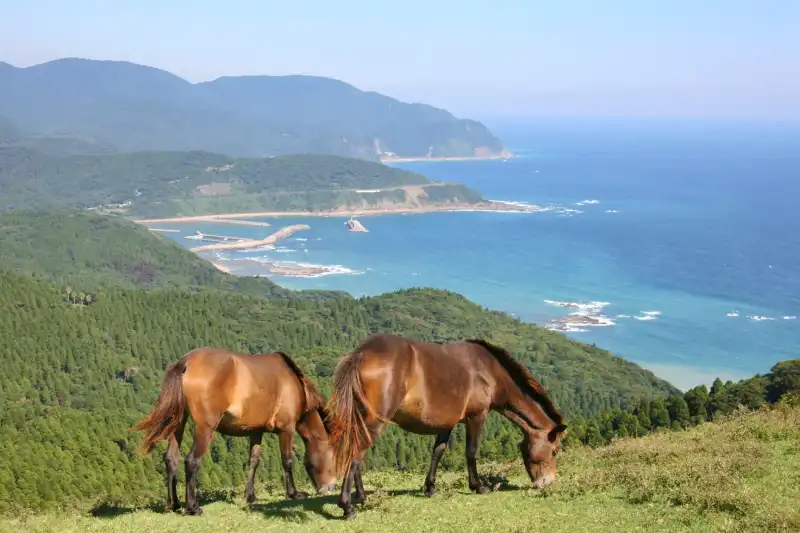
(196, 183)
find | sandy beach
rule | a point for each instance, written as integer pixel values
(484, 206)
(222, 268)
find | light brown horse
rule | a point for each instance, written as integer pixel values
(429, 388)
(239, 395)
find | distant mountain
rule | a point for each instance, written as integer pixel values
(135, 107)
(60, 145)
(9, 133)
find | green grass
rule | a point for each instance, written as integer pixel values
(739, 475)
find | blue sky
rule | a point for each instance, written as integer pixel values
(710, 58)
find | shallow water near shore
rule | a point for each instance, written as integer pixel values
(687, 240)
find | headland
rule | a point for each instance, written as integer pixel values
(384, 158)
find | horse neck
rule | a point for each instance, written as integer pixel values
(521, 409)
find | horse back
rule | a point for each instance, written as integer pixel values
(425, 387)
(242, 392)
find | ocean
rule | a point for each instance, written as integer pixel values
(682, 237)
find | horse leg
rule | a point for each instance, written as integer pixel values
(353, 477)
(202, 439)
(285, 438)
(474, 428)
(360, 495)
(172, 458)
(439, 448)
(255, 458)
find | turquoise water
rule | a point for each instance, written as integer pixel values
(694, 222)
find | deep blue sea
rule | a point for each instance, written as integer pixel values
(690, 236)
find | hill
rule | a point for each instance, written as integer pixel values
(77, 372)
(135, 107)
(165, 184)
(742, 474)
(86, 252)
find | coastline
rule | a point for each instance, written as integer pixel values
(508, 155)
(221, 267)
(488, 205)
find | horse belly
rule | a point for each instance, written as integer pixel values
(415, 416)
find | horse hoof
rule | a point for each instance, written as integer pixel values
(197, 511)
(483, 489)
(358, 500)
(349, 515)
(299, 496)
(250, 499)
(430, 492)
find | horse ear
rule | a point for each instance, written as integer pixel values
(555, 432)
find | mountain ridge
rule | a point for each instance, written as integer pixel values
(137, 107)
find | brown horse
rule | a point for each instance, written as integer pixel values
(239, 395)
(429, 388)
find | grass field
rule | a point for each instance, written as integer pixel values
(742, 475)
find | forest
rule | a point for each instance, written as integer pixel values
(164, 184)
(83, 360)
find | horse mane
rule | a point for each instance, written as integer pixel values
(314, 400)
(522, 377)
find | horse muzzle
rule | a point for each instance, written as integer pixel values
(327, 489)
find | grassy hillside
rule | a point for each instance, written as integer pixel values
(77, 372)
(162, 184)
(741, 475)
(86, 251)
(134, 107)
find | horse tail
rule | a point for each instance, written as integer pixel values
(168, 412)
(348, 409)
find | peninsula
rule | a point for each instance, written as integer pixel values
(201, 186)
(477, 156)
(244, 244)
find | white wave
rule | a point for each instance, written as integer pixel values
(759, 318)
(733, 314)
(611, 211)
(790, 317)
(514, 204)
(587, 202)
(263, 248)
(301, 239)
(329, 269)
(645, 317)
(585, 306)
(567, 328)
(284, 250)
(651, 313)
(623, 316)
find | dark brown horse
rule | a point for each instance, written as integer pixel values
(239, 395)
(429, 388)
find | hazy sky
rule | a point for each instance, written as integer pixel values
(718, 58)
